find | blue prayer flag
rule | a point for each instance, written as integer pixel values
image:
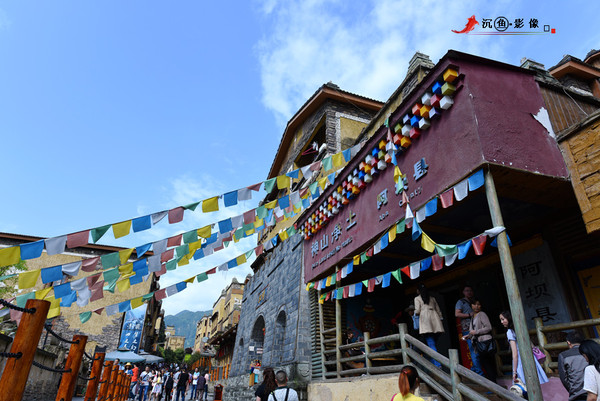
(463, 249)
(181, 286)
(124, 306)
(358, 289)
(431, 207)
(51, 274)
(140, 264)
(225, 226)
(198, 254)
(349, 267)
(416, 230)
(141, 223)
(293, 174)
(32, 250)
(384, 241)
(230, 198)
(62, 290)
(347, 155)
(284, 202)
(138, 278)
(425, 264)
(231, 264)
(68, 299)
(142, 249)
(476, 180)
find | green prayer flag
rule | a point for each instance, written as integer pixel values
(111, 274)
(249, 253)
(366, 283)
(313, 187)
(226, 243)
(201, 277)
(261, 212)
(400, 227)
(327, 163)
(98, 232)
(363, 257)
(248, 227)
(190, 236)
(333, 276)
(85, 316)
(192, 206)
(2, 278)
(446, 250)
(110, 287)
(171, 264)
(110, 260)
(340, 293)
(148, 296)
(182, 250)
(239, 234)
(387, 122)
(269, 184)
(22, 299)
(397, 275)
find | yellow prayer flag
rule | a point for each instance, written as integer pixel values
(10, 256)
(194, 246)
(338, 159)
(427, 243)
(258, 223)
(397, 174)
(250, 232)
(283, 181)
(54, 302)
(392, 234)
(323, 182)
(121, 229)
(321, 300)
(53, 312)
(283, 235)
(126, 269)
(241, 259)
(124, 255)
(123, 285)
(41, 294)
(190, 280)
(307, 286)
(328, 281)
(204, 232)
(184, 261)
(137, 302)
(210, 205)
(297, 209)
(28, 279)
(356, 260)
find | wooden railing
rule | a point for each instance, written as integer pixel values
(450, 385)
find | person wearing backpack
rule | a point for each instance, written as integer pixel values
(283, 392)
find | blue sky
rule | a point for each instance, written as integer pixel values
(110, 109)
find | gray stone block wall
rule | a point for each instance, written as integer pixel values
(286, 345)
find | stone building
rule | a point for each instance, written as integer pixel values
(102, 330)
(175, 342)
(202, 333)
(274, 328)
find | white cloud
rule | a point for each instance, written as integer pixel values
(365, 52)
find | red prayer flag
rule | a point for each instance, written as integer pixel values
(406, 270)
(338, 275)
(212, 271)
(163, 270)
(479, 244)
(328, 296)
(447, 198)
(78, 239)
(99, 311)
(371, 286)
(89, 265)
(259, 249)
(160, 294)
(437, 261)
(174, 240)
(167, 255)
(316, 166)
(370, 252)
(176, 215)
(346, 291)
(92, 280)
(249, 216)
(255, 187)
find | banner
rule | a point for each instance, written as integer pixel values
(133, 325)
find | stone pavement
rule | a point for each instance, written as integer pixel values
(187, 397)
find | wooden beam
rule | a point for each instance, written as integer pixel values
(69, 379)
(96, 372)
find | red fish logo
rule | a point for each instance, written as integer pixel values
(470, 25)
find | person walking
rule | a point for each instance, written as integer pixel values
(464, 312)
(182, 384)
(156, 386)
(517, 366)
(430, 318)
(206, 379)
(591, 380)
(169, 381)
(267, 386)
(480, 331)
(571, 367)
(408, 382)
(283, 392)
(144, 384)
(200, 387)
(195, 376)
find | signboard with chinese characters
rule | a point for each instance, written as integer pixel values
(131, 333)
(540, 287)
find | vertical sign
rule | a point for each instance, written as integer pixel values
(131, 334)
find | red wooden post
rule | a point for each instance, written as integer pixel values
(102, 393)
(16, 370)
(112, 384)
(92, 387)
(67, 384)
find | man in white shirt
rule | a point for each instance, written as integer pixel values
(283, 392)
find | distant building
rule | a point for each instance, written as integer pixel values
(175, 342)
(169, 331)
(223, 327)
(202, 333)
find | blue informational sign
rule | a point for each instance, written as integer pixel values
(131, 333)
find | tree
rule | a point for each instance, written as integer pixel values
(179, 354)
(8, 285)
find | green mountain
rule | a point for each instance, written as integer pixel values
(185, 324)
